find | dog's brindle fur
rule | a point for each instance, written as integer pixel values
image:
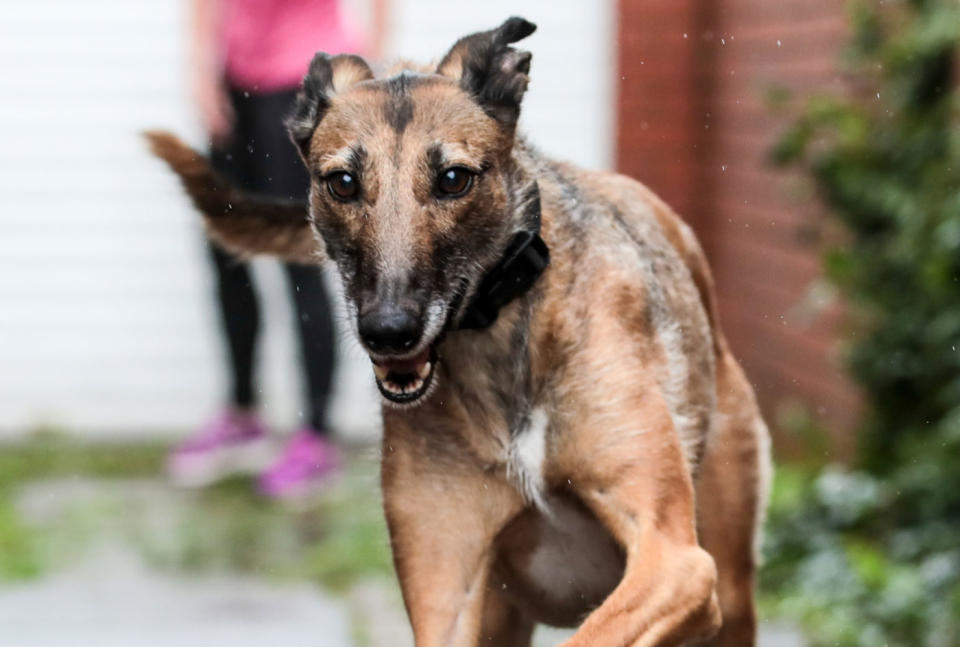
(596, 457)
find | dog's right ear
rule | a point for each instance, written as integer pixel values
(493, 73)
(327, 76)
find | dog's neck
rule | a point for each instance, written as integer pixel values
(489, 369)
(524, 257)
(522, 263)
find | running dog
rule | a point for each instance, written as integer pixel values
(567, 438)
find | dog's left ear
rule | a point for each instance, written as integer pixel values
(494, 73)
(327, 76)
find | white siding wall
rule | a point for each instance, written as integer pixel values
(568, 110)
(106, 318)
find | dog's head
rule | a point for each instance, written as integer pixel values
(414, 190)
(416, 194)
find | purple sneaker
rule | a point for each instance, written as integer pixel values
(233, 442)
(308, 463)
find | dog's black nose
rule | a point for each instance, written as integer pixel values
(389, 329)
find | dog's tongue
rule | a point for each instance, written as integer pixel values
(404, 366)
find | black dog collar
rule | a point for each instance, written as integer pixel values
(524, 260)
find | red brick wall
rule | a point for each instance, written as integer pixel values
(657, 98)
(694, 124)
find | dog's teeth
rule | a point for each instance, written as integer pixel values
(410, 384)
(424, 370)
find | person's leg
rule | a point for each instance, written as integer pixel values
(239, 314)
(315, 328)
(234, 440)
(237, 299)
(276, 169)
(279, 172)
(310, 459)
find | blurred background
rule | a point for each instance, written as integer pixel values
(814, 145)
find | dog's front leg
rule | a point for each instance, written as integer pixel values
(637, 482)
(443, 514)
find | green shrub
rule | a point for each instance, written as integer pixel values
(873, 557)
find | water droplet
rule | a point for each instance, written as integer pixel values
(686, 35)
(779, 43)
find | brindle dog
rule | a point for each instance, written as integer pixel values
(593, 457)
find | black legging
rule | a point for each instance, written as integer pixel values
(261, 159)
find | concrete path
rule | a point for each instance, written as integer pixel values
(111, 597)
(108, 602)
(112, 601)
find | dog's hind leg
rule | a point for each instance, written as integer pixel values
(731, 494)
(503, 624)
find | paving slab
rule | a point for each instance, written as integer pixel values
(114, 597)
(114, 602)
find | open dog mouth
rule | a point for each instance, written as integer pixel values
(405, 381)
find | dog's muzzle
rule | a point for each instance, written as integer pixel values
(406, 381)
(403, 364)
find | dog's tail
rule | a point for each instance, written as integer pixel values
(241, 223)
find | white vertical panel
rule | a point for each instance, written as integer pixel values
(106, 313)
(568, 111)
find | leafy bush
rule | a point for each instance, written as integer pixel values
(840, 562)
(873, 557)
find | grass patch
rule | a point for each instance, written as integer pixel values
(335, 540)
(56, 457)
(46, 457)
(19, 558)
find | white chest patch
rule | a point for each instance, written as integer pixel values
(528, 449)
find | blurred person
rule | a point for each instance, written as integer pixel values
(247, 59)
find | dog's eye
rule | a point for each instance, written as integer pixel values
(454, 182)
(342, 185)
